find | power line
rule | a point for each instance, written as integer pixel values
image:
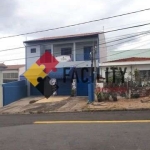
(106, 42)
(118, 53)
(130, 44)
(127, 50)
(121, 42)
(9, 49)
(127, 28)
(139, 36)
(56, 53)
(125, 35)
(101, 43)
(75, 24)
(85, 61)
(144, 32)
(49, 44)
(124, 25)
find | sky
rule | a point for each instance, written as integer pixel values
(22, 16)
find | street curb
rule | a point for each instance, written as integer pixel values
(50, 112)
(102, 110)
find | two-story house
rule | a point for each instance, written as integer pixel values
(78, 47)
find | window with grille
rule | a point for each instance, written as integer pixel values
(10, 75)
(66, 51)
(144, 74)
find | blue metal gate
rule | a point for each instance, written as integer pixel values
(14, 91)
(64, 87)
(82, 89)
(34, 91)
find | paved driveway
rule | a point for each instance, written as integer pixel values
(42, 105)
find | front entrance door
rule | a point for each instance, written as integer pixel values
(87, 51)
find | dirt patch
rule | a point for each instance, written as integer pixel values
(121, 104)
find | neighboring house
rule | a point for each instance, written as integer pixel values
(114, 55)
(78, 47)
(142, 64)
(2, 67)
(13, 73)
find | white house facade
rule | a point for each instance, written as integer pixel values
(142, 64)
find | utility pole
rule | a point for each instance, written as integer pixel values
(95, 71)
(91, 65)
(92, 77)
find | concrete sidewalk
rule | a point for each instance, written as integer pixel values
(72, 104)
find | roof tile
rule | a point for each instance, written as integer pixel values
(14, 67)
(63, 37)
(131, 59)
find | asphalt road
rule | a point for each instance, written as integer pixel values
(18, 132)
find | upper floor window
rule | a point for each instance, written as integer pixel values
(33, 50)
(66, 51)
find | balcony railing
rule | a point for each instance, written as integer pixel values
(78, 57)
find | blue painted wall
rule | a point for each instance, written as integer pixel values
(34, 91)
(14, 91)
